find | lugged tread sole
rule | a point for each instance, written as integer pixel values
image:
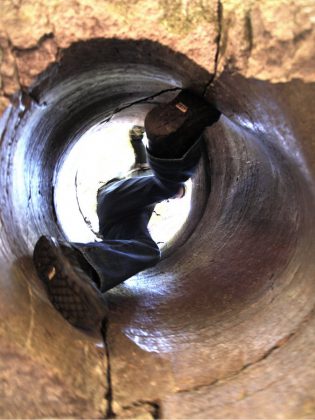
(69, 288)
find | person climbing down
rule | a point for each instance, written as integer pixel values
(78, 275)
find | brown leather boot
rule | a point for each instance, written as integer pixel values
(69, 284)
(172, 128)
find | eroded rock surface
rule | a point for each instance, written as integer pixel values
(223, 328)
(271, 40)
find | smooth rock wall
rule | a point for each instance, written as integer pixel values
(223, 327)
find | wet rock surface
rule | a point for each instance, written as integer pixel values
(223, 326)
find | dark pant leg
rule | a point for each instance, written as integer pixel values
(124, 209)
(134, 199)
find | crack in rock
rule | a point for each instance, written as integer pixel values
(35, 47)
(279, 344)
(86, 220)
(218, 45)
(249, 33)
(109, 393)
(140, 101)
(28, 341)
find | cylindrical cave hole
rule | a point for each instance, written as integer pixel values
(101, 153)
(249, 227)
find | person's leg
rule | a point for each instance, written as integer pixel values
(69, 286)
(130, 197)
(124, 207)
(124, 210)
(173, 128)
(174, 133)
(136, 137)
(140, 167)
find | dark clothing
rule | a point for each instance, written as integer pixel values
(124, 209)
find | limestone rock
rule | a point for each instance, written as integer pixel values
(269, 40)
(189, 352)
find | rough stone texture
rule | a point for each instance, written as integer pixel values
(48, 369)
(33, 32)
(257, 39)
(275, 395)
(224, 328)
(37, 389)
(269, 40)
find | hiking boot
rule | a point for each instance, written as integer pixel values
(172, 128)
(135, 137)
(68, 279)
(136, 132)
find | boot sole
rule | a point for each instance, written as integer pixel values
(69, 288)
(184, 115)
